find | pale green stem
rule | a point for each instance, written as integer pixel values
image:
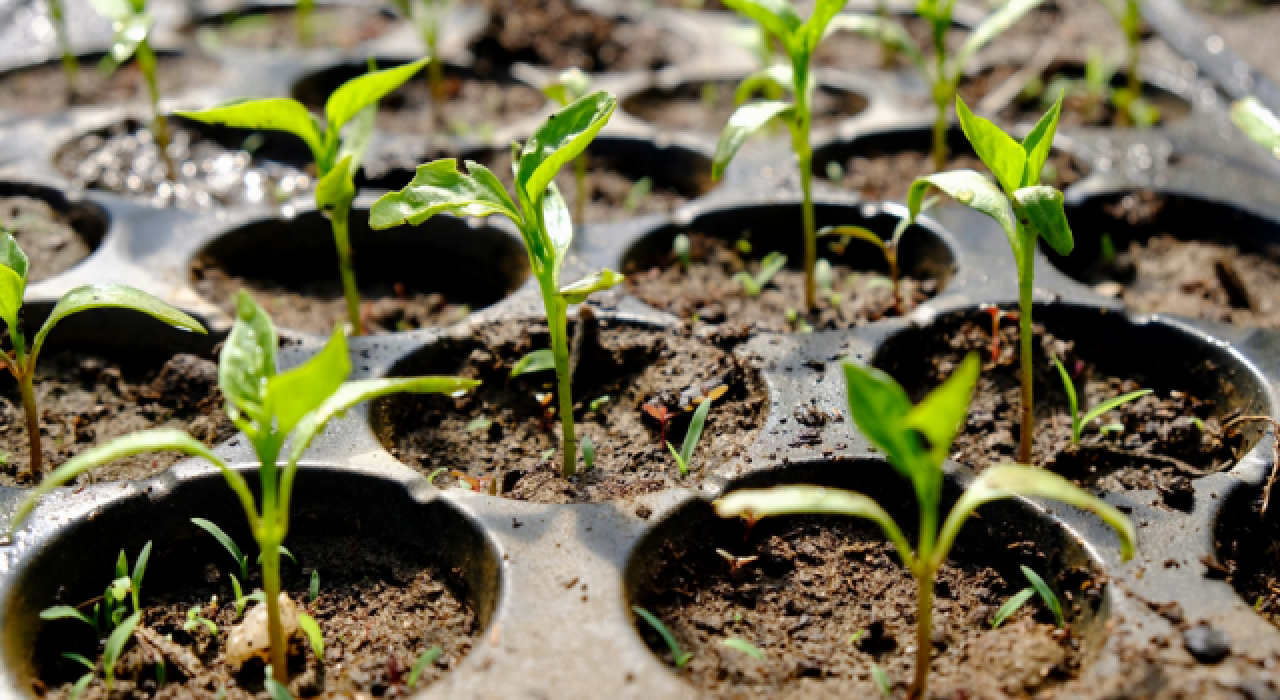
(435, 69)
(26, 384)
(271, 587)
(557, 317)
(924, 629)
(940, 138)
(1026, 288)
(69, 64)
(346, 267)
(804, 159)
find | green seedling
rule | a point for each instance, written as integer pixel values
(427, 658)
(478, 425)
(109, 612)
(269, 408)
(939, 70)
(1106, 249)
(1011, 606)
(1128, 100)
(569, 87)
(315, 636)
(1019, 599)
(195, 618)
(799, 38)
(541, 216)
(917, 440)
(313, 591)
(769, 266)
(678, 655)
(598, 404)
(743, 246)
(276, 689)
(744, 646)
(588, 451)
(887, 248)
(636, 194)
(1258, 123)
(428, 16)
(684, 457)
(21, 358)
(83, 682)
(1079, 422)
(70, 66)
(535, 361)
(115, 645)
(1024, 209)
(242, 559)
(1095, 90)
(683, 250)
(882, 680)
(853, 638)
(337, 143)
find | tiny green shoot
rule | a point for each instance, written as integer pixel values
(427, 658)
(1128, 100)
(115, 645)
(678, 655)
(636, 194)
(598, 404)
(882, 680)
(1106, 249)
(1047, 595)
(769, 266)
(478, 425)
(887, 248)
(682, 249)
(1078, 422)
(1258, 123)
(588, 451)
(743, 646)
(314, 634)
(1011, 606)
(435, 474)
(684, 457)
(743, 246)
(83, 683)
(428, 16)
(853, 638)
(195, 618)
(242, 559)
(313, 590)
(535, 361)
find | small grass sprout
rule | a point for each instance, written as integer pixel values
(678, 655)
(115, 645)
(1128, 100)
(270, 408)
(83, 682)
(337, 143)
(196, 619)
(1025, 209)
(1011, 606)
(887, 248)
(315, 636)
(597, 404)
(541, 216)
(1078, 422)
(1095, 91)
(684, 457)
(917, 440)
(241, 559)
(881, 678)
(636, 194)
(427, 658)
(942, 72)
(769, 266)
(569, 87)
(1019, 599)
(588, 451)
(313, 590)
(743, 646)
(70, 66)
(535, 361)
(682, 249)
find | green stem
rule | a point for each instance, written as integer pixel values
(435, 69)
(804, 159)
(924, 631)
(160, 125)
(69, 64)
(305, 8)
(1025, 341)
(26, 385)
(940, 137)
(346, 268)
(557, 317)
(271, 587)
(580, 193)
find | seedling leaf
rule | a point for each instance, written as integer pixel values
(747, 120)
(973, 190)
(13, 280)
(678, 655)
(1039, 143)
(1047, 595)
(115, 645)
(559, 140)
(365, 90)
(1258, 123)
(694, 433)
(313, 591)
(247, 361)
(427, 658)
(80, 659)
(1102, 408)
(535, 361)
(314, 634)
(998, 150)
(744, 646)
(65, 612)
(272, 113)
(1011, 606)
(1040, 209)
(100, 296)
(882, 680)
(588, 451)
(225, 540)
(139, 570)
(299, 391)
(778, 76)
(600, 280)
(438, 187)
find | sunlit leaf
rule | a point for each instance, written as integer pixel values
(314, 634)
(597, 281)
(112, 296)
(362, 91)
(248, 360)
(997, 150)
(295, 393)
(272, 113)
(973, 190)
(1039, 143)
(1258, 123)
(559, 140)
(747, 120)
(534, 361)
(115, 646)
(439, 187)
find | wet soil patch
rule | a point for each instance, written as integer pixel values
(380, 606)
(472, 107)
(557, 34)
(87, 399)
(1164, 439)
(54, 232)
(883, 166)
(825, 599)
(707, 106)
(340, 26)
(1249, 550)
(502, 432)
(409, 277)
(1173, 254)
(43, 89)
(726, 243)
(124, 158)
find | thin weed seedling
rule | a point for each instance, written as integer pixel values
(337, 144)
(427, 658)
(682, 250)
(1128, 100)
(678, 655)
(1095, 91)
(1020, 598)
(132, 24)
(541, 215)
(1078, 422)
(428, 16)
(743, 646)
(70, 66)
(1258, 123)
(196, 619)
(769, 266)
(917, 440)
(684, 457)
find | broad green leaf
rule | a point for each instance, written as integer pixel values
(779, 75)
(1011, 606)
(678, 655)
(365, 90)
(13, 280)
(1046, 594)
(883, 31)
(299, 391)
(439, 187)
(535, 361)
(747, 120)
(560, 139)
(427, 658)
(940, 415)
(994, 25)
(811, 32)
(694, 434)
(337, 188)
(1039, 143)
(225, 540)
(996, 149)
(314, 634)
(754, 504)
(248, 360)
(1040, 209)
(272, 113)
(112, 296)
(598, 281)
(115, 646)
(1258, 123)
(743, 646)
(973, 190)
(878, 405)
(66, 612)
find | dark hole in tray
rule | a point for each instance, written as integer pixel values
(1248, 548)
(87, 220)
(707, 105)
(818, 581)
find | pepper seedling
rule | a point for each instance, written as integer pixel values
(541, 216)
(769, 266)
(337, 155)
(70, 66)
(940, 71)
(916, 440)
(242, 560)
(132, 25)
(1079, 422)
(269, 407)
(569, 87)
(1025, 209)
(428, 16)
(800, 38)
(21, 359)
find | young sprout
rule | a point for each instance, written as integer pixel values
(124, 587)
(535, 361)
(889, 248)
(569, 87)
(306, 16)
(195, 618)
(115, 645)
(427, 658)
(315, 636)
(478, 425)
(636, 194)
(428, 16)
(684, 458)
(541, 216)
(269, 408)
(1038, 585)
(588, 451)
(682, 249)
(743, 646)
(678, 655)
(70, 67)
(337, 155)
(663, 415)
(882, 680)
(917, 440)
(1128, 100)
(1079, 422)
(800, 38)
(313, 591)
(82, 684)
(769, 266)
(21, 358)
(1024, 208)
(735, 562)
(598, 404)
(940, 71)
(1258, 123)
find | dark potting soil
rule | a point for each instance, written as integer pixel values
(1249, 552)
(43, 89)
(708, 291)
(124, 159)
(827, 599)
(1197, 278)
(888, 176)
(342, 26)
(707, 106)
(558, 34)
(86, 400)
(629, 366)
(1169, 437)
(319, 306)
(380, 607)
(1078, 110)
(47, 236)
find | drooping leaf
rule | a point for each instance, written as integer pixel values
(597, 281)
(560, 139)
(66, 612)
(13, 280)
(1258, 123)
(272, 113)
(997, 150)
(314, 634)
(884, 31)
(299, 391)
(1046, 594)
(248, 360)
(113, 296)
(1041, 211)
(747, 120)
(973, 190)
(80, 659)
(534, 361)
(678, 655)
(851, 232)
(115, 645)
(994, 25)
(1011, 606)
(1039, 143)
(878, 405)
(743, 646)
(225, 540)
(779, 76)
(439, 187)
(777, 17)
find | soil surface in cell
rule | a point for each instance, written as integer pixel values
(558, 34)
(707, 5)
(43, 89)
(125, 159)
(86, 400)
(706, 107)
(826, 599)
(341, 26)
(883, 174)
(710, 292)
(1205, 279)
(1079, 109)
(505, 435)
(1249, 552)
(48, 236)
(851, 52)
(1160, 441)
(380, 606)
